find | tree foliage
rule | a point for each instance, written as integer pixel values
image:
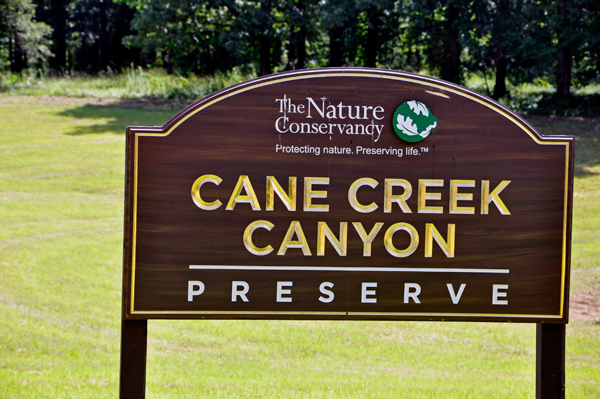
(23, 38)
(513, 41)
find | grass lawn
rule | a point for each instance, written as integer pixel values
(61, 238)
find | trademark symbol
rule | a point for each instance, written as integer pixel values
(424, 149)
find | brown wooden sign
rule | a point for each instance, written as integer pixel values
(347, 194)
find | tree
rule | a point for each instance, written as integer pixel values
(256, 23)
(575, 33)
(202, 37)
(88, 34)
(441, 27)
(504, 35)
(300, 21)
(337, 18)
(95, 35)
(587, 69)
(25, 38)
(58, 20)
(518, 40)
(377, 25)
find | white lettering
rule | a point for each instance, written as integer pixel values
(281, 291)
(408, 294)
(282, 103)
(323, 289)
(280, 124)
(366, 292)
(312, 102)
(192, 291)
(375, 111)
(496, 294)
(454, 296)
(236, 291)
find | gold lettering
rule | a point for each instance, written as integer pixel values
(309, 194)
(424, 195)
(494, 196)
(389, 235)
(367, 239)
(253, 249)
(389, 198)
(295, 228)
(341, 245)
(363, 181)
(237, 197)
(200, 203)
(289, 200)
(432, 233)
(455, 196)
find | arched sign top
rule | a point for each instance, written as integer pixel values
(347, 193)
(432, 86)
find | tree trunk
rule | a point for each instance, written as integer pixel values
(372, 47)
(11, 53)
(336, 46)
(296, 51)
(104, 45)
(301, 49)
(450, 67)
(564, 68)
(81, 54)
(58, 21)
(564, 64)
(264, 41)
(18, 58)
(265, 56)
(500, 86)
(169, 63)
(292, 49)
(297, 44)
(92, 60)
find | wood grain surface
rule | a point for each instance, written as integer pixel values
(233, 133)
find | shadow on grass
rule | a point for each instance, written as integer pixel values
(587, 152)
(571, 105)
(587, 138)
(114, 117)
(582, 171)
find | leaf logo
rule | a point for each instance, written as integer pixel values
(413, 121)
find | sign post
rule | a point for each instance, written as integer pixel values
(134, 339)
(550, 361)
(348, 193)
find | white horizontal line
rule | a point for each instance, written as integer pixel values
(351, 269)
(372, 314)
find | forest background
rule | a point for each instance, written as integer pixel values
(61, 188)
(496, 47)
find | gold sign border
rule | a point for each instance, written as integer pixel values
(368, 73)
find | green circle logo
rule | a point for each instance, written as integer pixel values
(413, 121)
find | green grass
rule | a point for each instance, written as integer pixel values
(130, 84)
(539, 97)
(61, 229)
(137, 83)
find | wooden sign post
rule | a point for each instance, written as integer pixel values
(347, 193)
